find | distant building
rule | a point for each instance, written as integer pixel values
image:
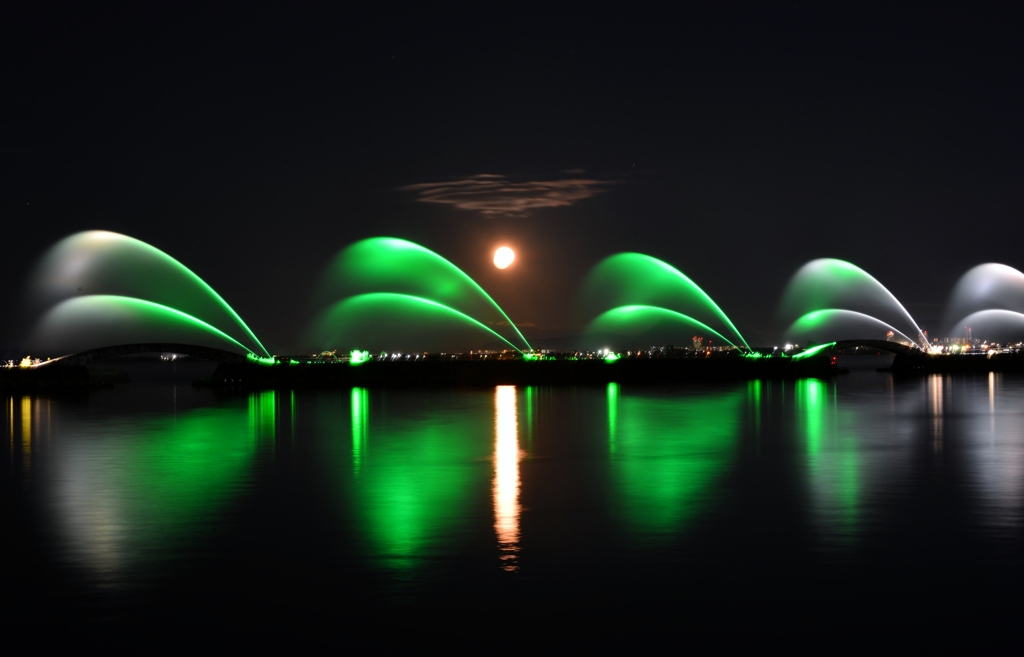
(890, 336)
(697, 343)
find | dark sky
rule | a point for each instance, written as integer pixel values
(252, 145)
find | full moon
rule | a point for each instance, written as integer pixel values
(503, 257)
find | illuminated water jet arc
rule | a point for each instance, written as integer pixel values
(832, 324)
(814, 351)
(637, 319)
(389, 264)
(628, 279)
(365, 318)
(829, 283)
(102, 320)
(991, 286)
(104, 262)
(996, 324)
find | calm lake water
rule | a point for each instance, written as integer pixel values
(758, 509)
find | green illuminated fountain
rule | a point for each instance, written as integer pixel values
(91, 277)
(632, 296)
(382, 320)
(829, 299)
(838, 323)
(388, 293)
(102, 319)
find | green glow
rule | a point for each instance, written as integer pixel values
(613, 414)
(832, 455)
(644, 320)
(754, 397)
(611, 357)
(399, 321)
(418, 469)
(101, 320)
(387, 264)
(263, 418)
(144, 491)
(357, 357)
(669, 452)
(258, 360)
(360, 424)
(635, 279)
(110, 263)
(839, 323)
(530, 356)
(755, 355)
(828, 283)
(813, 351)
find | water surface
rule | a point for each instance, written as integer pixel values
(848, 504)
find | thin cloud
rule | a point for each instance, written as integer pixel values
(493, 195)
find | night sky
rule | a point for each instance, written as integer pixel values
(254, 144)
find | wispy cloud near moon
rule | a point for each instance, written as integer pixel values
(494, 195)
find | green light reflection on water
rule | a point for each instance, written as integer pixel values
(754, 399)
(135, 495)
(668, 454)
(613, 414)
(263, 418)
(833, 458)
(360, 422)
(418, 468)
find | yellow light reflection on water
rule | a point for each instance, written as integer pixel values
(26, 431)
(506, 475)
(935, 394)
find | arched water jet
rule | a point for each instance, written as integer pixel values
(99, 262)
(996, 324)
(990, 286)
(652, 324)
(830, 284)
(834, 324)
(100, 320)
(388, 264)
(635, 279)
(388, 321)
